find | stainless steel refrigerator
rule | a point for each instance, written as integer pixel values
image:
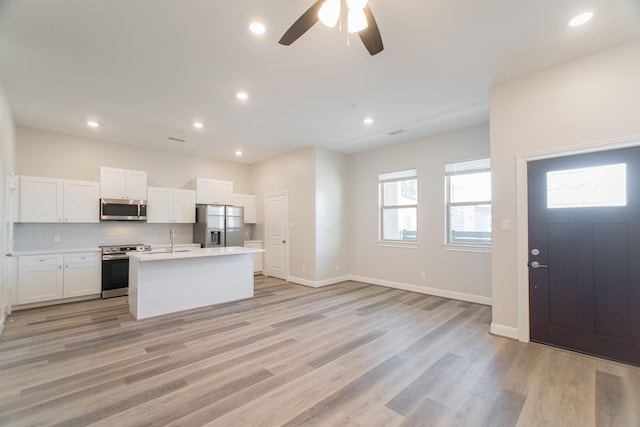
(218, 225)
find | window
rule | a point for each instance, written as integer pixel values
(597, 186)
(399, 206)
(468, 202)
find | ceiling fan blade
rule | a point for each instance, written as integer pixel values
(370, 36)
(302, 25)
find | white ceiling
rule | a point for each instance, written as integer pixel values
(146, 69)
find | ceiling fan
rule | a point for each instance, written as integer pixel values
(360, 20)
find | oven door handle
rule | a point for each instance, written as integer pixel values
(114, 257)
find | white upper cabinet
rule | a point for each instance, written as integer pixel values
(171, 205)
(214, 192)
(57, 200)
(248, 202)
(184, 206)
(159, 205)
(81, 201)
(40, 199)
(123, 184)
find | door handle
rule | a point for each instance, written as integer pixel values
(536, 264)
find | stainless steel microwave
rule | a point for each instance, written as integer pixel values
(123, 210)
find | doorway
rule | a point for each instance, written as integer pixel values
(584, 247)
(277, 235)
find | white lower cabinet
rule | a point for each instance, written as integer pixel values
(81, 274)
(55, 276)
(258, 259)
(40, 278)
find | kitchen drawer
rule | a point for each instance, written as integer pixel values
(79, 257)
(36, 260)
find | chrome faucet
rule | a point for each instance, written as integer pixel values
(172, 237)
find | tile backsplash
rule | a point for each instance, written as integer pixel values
(31, 236)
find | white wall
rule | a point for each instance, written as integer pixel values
(55, 155)
(7, 166)
(582, 102)
(463, 275)
(293, 173)
(333, 244)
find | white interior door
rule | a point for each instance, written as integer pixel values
(276, 235)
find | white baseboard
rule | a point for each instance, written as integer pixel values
(477, 299)
(505, 331)
(318, 283)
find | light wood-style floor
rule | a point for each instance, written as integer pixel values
(346, 355)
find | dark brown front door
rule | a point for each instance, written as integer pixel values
(584, 253)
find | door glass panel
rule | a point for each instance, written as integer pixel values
(597, 186)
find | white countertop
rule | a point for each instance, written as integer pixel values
(195, 253)
(55, 251)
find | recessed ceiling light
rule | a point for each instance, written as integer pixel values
(257, 28)
(93, 124)
(581, 19)
(242, 95)
(198, 125)
(368, 121)
(238, 153)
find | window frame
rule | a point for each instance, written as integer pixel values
(410, 174)
(470, 167)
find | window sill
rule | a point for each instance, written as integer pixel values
(398, 244)
(467, 248)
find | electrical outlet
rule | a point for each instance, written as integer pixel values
(423, 276)
(337, 267)
(56, 238)
(304, 268)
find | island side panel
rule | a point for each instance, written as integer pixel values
(133, 287)
(171, 285)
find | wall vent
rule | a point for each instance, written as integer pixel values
(396, 132)
(177, 139)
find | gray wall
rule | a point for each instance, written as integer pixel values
(333, 242)
(592, 100)
(295, 174)
(7, 166)
(55, 155)
(457, 274)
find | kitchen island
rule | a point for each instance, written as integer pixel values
(167, 282)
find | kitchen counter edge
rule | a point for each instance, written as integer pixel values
(55, 251)
(196, 253)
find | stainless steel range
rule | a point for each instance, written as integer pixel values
(115, 268)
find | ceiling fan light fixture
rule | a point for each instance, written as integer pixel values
(356, 4)
(329, 13)
(356, 21)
